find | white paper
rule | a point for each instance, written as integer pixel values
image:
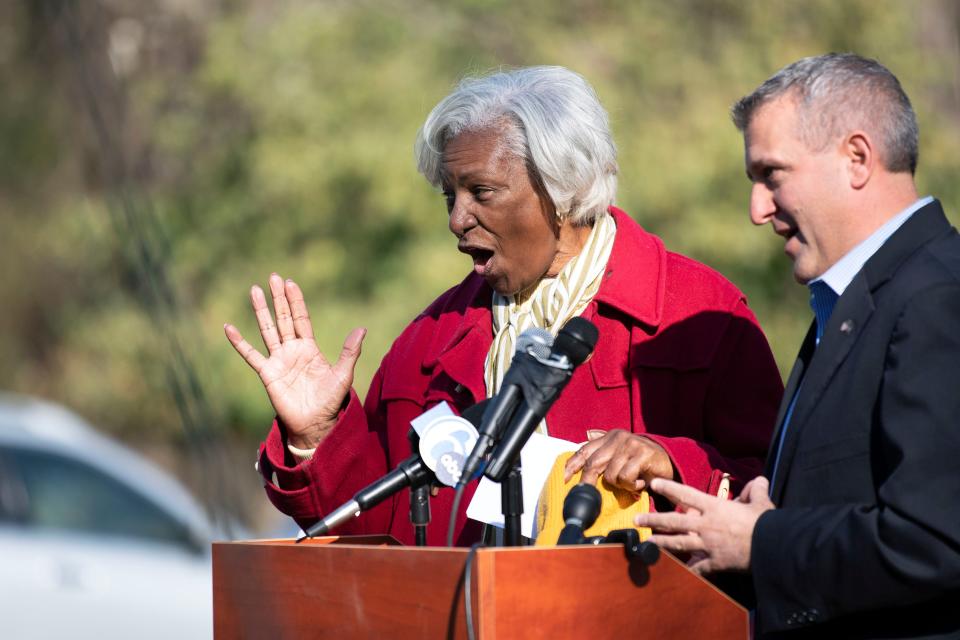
(421, 421)
(536, 460)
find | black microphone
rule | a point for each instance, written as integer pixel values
(580, 510)
(533, 346)
(541, 382)
(412, 472)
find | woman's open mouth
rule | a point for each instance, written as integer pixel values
(481, 258)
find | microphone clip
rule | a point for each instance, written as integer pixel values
(647, 552)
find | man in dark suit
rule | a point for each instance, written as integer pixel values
(857, 532)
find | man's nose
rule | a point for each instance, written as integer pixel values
(762, 206)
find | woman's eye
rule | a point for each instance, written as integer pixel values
(448, 198)
(482, 193)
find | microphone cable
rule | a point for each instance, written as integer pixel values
(454, 509)
(467, 592)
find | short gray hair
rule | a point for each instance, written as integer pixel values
(556, 124)
(837, 92)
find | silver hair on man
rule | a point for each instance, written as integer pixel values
(551, 118)
(837, 93)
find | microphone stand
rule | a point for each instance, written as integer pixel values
(419, 499)
(511, 502)
(420, 513)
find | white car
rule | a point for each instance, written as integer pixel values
(95, 542)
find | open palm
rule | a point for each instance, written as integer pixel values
(306, 390)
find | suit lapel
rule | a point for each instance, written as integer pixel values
(849, 317)
(793, 383)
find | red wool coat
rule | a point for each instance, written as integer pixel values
(680, 358)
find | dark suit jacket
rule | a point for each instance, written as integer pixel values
(866, 542)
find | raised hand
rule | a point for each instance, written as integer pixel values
(306, 390)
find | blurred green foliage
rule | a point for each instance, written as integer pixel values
(256, 136)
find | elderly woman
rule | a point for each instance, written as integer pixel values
(682, 380)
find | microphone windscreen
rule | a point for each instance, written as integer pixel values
(583, 504)
(536, 342)
(474, 413)
(576, 340)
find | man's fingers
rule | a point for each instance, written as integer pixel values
(683, 543)
(682, 495)
(349, 355)
(281, 308)
(268, 330)
(700, 566)
(667, 522)
(758, 490)
(298, 308)
(253, 357)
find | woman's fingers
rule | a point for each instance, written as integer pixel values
(268, 330)
(253, 357)
(298, 308)
(595, 463)
(281, 308)
(349, 355)
(578, 459)
(631, 474)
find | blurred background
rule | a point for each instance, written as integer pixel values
(158, 157)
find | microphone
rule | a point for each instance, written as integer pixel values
(580, 510)
(542, 383)
(411, 472)
(533, 346)
(443, 444)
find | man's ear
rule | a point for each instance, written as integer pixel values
(862, 158)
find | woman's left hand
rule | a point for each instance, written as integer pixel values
(624, 459)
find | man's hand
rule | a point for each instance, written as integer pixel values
(624, 459)
(716, 532)
(307, 391)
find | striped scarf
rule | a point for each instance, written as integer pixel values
(551, 305)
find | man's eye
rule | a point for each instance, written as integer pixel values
(449, 198)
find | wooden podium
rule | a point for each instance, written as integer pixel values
(371, 587)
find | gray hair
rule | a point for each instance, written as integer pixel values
(555, 123)
(837, 92)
